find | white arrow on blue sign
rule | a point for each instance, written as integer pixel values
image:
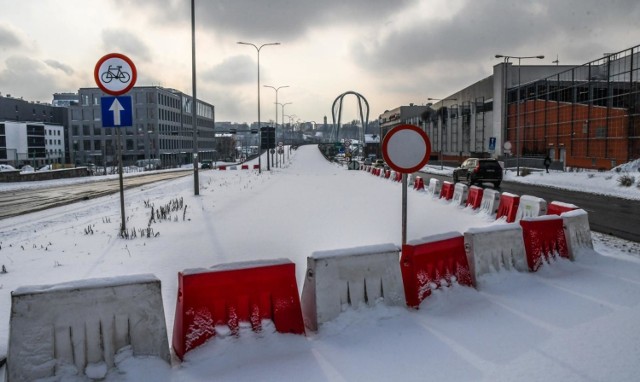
(116, 111)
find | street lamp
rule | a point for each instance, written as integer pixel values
(506, 59)
(194, 116)
(442, 123)
(283, 128)
(259, 122)
(276, 89)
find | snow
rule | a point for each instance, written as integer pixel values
(570, 321)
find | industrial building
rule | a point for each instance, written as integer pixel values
(583, 116)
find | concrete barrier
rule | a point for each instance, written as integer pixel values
(490, 249)
(83, 323)
(435, 185)
(490, 202)
(460, 192)
(530, 206)
(350, 277)
(577, 232)
(557, 208)
(433, 262)
(418, 183)
(446, 191)
(544, 239)
(508, 207)
(226, 296)
(475, 197)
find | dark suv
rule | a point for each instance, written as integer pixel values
(476, 170)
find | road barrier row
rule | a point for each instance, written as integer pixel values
(83, 324)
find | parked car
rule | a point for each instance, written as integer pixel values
(379, 163)
(7, 167)
(368, 161)
(206, 164)
(27, 168)
(478, 170)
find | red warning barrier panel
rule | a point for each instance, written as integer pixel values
(475, 197)
(256, 167)
(543, 239)
(418, 184)
(222, 297)
(432, 263)
(447, 190)
(508, 206)
(222, 167)
(398, 177)
(556, 208)
(387, 174)
(245, 166)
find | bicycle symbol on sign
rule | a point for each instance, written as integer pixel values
(115, 73)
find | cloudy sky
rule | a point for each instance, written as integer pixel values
(392, 52)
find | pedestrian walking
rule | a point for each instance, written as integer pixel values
(547, 163)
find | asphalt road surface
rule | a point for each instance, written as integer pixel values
(13, 203)
(610, 215)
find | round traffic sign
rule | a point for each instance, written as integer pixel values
(406, 148)
(115, 74)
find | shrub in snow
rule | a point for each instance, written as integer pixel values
(626, 180)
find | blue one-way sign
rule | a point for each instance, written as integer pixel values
(116, 111)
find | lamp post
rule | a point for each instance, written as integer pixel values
(442, 123)
(276, 89)
(194, 122)
(283, 128)
(506, 59)
(259, 122)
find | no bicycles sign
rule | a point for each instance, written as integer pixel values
(115, 74)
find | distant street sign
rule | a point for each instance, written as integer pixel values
(492, 143)
(115, 74)
(116, 111)
(406, 148)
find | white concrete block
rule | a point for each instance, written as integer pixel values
(490, 249)
(339, 279)
(84, 322)
(460, 194)
(435, 186)
(531, 206)
(577, 231)
(490, 201)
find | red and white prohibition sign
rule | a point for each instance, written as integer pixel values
(406, 148)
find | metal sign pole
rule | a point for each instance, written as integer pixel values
(404, 209)
(123, 226)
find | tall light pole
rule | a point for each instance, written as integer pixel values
(506, 59)
(194, 109)
(259, 122)
(283, 129)
(441, 123)
(276, 89)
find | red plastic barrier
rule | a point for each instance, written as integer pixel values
(447, 190)
(398, 177)
(475, 197)
(418, 184)
(368, 168)
(543, 238)
(256, 167)
(245, 167)
(234, 293)
(508, 206)
(222, 167)
(556, 208)
(387, 174)
(425, 266)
